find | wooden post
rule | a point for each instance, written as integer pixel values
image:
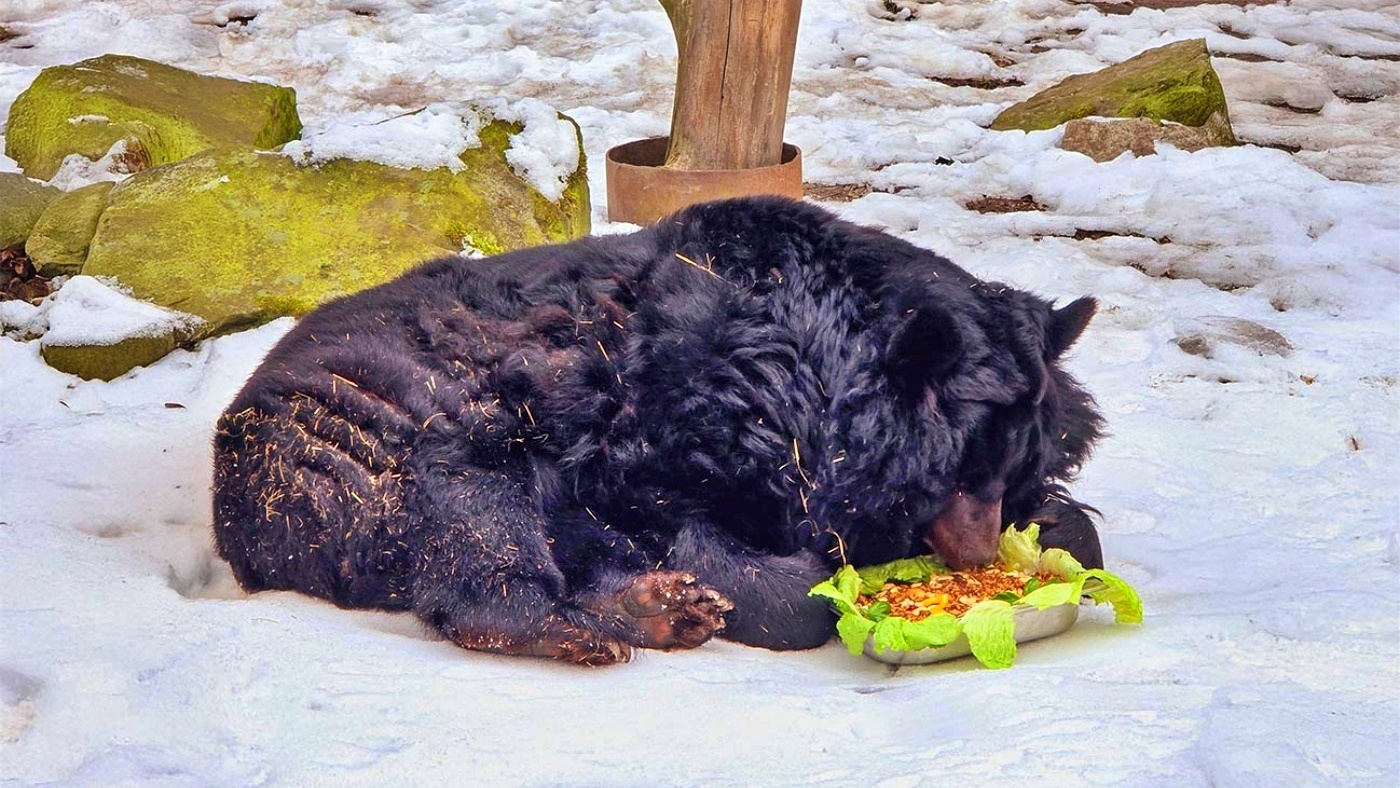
(732, 81)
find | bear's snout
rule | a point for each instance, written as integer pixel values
(966, 532)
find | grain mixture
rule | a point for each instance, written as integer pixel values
(952, 593)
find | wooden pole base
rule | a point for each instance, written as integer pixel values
(641, 190)
(733, 75)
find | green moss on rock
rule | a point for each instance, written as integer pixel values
(105, 362)
(22, 202)
(1173, 83)
(163, 113)
(570, 217)
(59, 242)
(238, 238)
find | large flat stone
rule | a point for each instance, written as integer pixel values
(1173, 83)
(163, 113)
(238, 238)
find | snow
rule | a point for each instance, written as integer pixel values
(77, 171)
(1250, 496)
(89, 311)
(544, 153)
(434, 137)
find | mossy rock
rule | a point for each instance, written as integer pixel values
(570, 217)
(96, 331)
(1173, 83)
(22, 202)
(105, 362)
(239, 238)
(163, 113)
(58, 244)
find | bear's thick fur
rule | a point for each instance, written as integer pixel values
(636, 441)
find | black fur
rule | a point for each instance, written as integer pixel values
(749, 392)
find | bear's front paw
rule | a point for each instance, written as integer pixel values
(671, 610)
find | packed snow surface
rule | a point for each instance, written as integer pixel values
(1245, 355)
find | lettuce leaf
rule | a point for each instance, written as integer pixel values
(1107, 587)
(827, 590)
(901, 634)
(889, 635)
(842, 590)
(903, 570)
(990, 627)
(1054, 594)
(936, 631)
(847, 583)
(853, 629)
(1020, 550)
(1059, 563)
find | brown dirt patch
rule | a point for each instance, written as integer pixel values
(1094, 235)
(836, 192)
(1124, 7)
(982, 83)
(989, 204)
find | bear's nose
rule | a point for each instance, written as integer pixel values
(966, 532)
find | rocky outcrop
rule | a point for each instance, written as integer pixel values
(230, 234)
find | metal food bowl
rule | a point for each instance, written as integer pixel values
(1031, 624)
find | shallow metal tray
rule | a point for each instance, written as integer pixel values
(1031, 624)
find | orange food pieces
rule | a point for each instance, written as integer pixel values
(952, 593)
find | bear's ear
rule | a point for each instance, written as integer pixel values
(1068, 323)
(925, 347)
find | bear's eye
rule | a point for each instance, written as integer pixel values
(999, 451)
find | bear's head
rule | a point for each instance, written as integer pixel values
(969, 423)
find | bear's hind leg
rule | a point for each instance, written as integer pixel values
(483, 575)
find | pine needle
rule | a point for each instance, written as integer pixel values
(707, 269)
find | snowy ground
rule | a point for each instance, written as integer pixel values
(1251, 497)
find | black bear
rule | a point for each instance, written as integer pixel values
(640, 440)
